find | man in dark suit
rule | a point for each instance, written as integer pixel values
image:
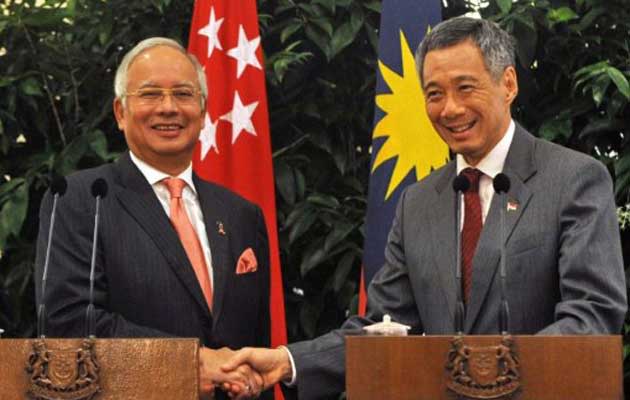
(176, 256)
(565, 271)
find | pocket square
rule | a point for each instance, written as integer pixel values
(246, 262)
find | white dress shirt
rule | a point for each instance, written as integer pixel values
(491, 165)
(189, 196)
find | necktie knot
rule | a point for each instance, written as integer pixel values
(473, 175)
(175, 187)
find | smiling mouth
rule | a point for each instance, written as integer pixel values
(461, 128)
(167, 127)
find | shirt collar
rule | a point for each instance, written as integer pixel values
(154, 176)
(493, 162)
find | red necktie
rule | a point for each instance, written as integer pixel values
(472, 227)
(188, 236)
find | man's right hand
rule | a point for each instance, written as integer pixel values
(272, 364)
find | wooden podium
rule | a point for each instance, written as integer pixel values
(147, 369)
(551, 367)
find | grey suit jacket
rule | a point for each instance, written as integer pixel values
(565, 271)
(145, 285)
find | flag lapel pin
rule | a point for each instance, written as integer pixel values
(512, 205)
(220, 229)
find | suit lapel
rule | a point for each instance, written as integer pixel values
(519, 167)
(218, 230)
(443, 231)
(136, 196)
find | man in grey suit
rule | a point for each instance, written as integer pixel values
(565, 272)
(189, 260)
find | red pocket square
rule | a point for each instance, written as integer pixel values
(246, 262)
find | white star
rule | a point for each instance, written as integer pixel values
(245, 52)
(240, 117)
(211, 32)
(208, 137)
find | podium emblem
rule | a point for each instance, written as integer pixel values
(483, 372)
(63, 373)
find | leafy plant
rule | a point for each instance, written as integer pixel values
(56, 77)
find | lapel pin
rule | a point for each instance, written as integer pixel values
(512, 205)
(220, 229)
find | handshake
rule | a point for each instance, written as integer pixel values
(243, 374)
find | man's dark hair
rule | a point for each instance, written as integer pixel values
(496, 45)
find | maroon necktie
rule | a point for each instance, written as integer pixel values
(472, 227)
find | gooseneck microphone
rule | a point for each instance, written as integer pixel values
(57, 189)
(99, 191)
(461, 184)
(501, 184)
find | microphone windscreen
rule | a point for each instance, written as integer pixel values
(59, 186)
(99, 188)
(501, 183)
(460, 183)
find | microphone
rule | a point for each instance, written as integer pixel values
(99, 191)
(501, 184)
(460, 184)
(57, 189)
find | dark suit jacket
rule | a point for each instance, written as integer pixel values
(565, 271)
(145, 285)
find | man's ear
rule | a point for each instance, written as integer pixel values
(510, 82)
(119, 113)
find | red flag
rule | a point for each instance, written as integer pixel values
(235, 146)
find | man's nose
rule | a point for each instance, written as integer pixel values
(452, 107)
(168, 104)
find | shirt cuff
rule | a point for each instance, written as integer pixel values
(290, 383)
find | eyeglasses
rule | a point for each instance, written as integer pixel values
(154, 96)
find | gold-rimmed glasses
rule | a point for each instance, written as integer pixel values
(155, 95)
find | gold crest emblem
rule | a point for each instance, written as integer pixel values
(483, 372)
(65, 374)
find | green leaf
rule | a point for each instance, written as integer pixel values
(71, 155)
(303, 224)
(562, 14)
(285, 181)
(556, 128)
(344, 266)
(46, 18)
(13, 211)
(329, 4)
(590, 17)
(71, 7)
(313, 256)
(98, 143)
(504, 5)
(324, 24)
(357, 18)
(323, 200)
(320, 40)
(290, 29)
(620, 81)
(599, 87)
(7, 80)
(374, 5)
(342, 37)
(339, 232)
(31, 87)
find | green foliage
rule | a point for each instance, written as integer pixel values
(321, 63)
(57, 61)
